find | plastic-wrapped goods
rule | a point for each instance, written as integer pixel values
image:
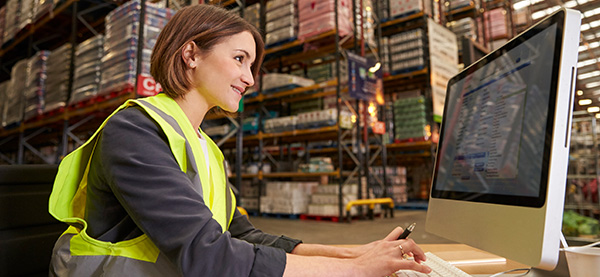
(36, 85)
(41, 8)
(385, 54)
(57, 84)
(326, 71)
(316, 17)
(25, 13)
(275, 4)
(274, 82)
(2, 24)
(406, 51)
(282, 21)
(280, 124)
(459, 4)
(252, 14)
(119, 64)
(287, 197)
(13, 104)
(4, 86)
(282, 11)
(464, 27)
(399, 8)
(316, 119)
(410, 118)
(11, 22)
(217, 131)
(495, 24)
(284, 34)
(87, 73)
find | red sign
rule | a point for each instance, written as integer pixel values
(147, 86)
(379, 128)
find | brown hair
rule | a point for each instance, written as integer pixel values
(206, 25)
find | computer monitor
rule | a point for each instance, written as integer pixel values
(500, 173)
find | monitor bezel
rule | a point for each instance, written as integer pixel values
(524, 201)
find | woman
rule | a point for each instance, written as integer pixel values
(147, 194)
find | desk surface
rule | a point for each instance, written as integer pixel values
(447, 251)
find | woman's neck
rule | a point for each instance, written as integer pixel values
(194, 106)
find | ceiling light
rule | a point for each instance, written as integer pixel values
(598, 115)
(542, 13)
(571, 4)
(587, 62)
(592, 84)
(584, 76)
(593, 109)
(584, 102)
(375, 68)
(580, 92)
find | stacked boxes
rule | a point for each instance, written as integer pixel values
(316, 17)
(252, 14)
(249, 195)
(88, 63)
(13, 103)
(410, 118)
(407, 51)
(119, 63)
(57, 85)
(396, 182)
(325, 200)
(495, 24)
(282, 21)
(2, 24)
(399, 8)
(11, 23)
(36, 85)
(287, 197)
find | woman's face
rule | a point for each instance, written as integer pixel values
(223, 73)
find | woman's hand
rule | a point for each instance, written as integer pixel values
(388, 256)
(360, 250)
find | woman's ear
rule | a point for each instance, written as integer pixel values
(188, 54)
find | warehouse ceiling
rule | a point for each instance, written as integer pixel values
(588, 79)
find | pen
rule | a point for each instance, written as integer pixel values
(407, 231)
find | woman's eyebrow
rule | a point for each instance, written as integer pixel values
(245, 52)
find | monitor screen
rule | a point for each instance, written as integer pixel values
(496, 136)
(500, 174)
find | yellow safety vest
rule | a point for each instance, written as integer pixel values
(77, 254)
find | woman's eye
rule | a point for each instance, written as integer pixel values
(239, 58)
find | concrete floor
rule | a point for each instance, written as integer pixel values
(356, 232)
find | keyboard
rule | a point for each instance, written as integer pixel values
(438, 266)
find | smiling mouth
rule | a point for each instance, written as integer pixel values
(241, 93)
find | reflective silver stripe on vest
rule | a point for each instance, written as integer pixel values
(192, 172)
(227, 194)
(192, 168)
(63, 264)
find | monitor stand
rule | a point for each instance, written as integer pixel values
(561, 269)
